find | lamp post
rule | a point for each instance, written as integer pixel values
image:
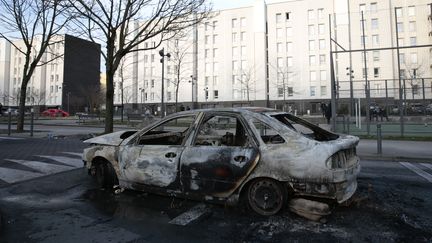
(193, 82)
(163, 55)
(68, 95)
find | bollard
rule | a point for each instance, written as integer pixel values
(31, 123)
(379, 139)
(9, 122)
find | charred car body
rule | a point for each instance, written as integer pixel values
(265, 156)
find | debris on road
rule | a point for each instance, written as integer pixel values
(309, 209)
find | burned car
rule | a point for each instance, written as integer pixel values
(263, 156)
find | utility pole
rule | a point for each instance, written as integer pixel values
(163, 55)
(399, 78)
(366, 77)
(333, 82)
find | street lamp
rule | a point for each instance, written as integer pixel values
(193, 82)
(163, 55)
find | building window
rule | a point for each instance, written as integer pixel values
(363, 40)
(279, 47)
(412, 26)
(289, 32)
(235, 65)
(234, 23)
(243, 22)
(323, 90)
(399, 12)
(411, 11)
(207, 39)
(312, 60)
(242, 36)
(320, 13)
(402, 58)
(280, 62)
(243, 51)
(278, 17)
(376, 56)
(363, 22)
(152, 58)
(322, 59)
(215, 80)
(278, 33)
(290, 91)
(235, 51)
(413, 41)
(364, 72)
(312, 90)
(215, 67)
(311, 14)
(215, 53)
(401, 41)
(376, 72)
(152, 96)
(374, 24)
(215, 39)
(287, 16)
(400, 27)
(152, 83)
(206, 81)
(375, 40)
(145, 58)
(311, 45)
(312, 75)
(280, 92)
(321, 29)
(289, 47)
(322, 44)
(215, 94)
(289, 61)
(214, 25)
(374, 7)
(206, 26)
(234, 37)
(206, 53)
(168, 95)
(323, 75)
(311, 30)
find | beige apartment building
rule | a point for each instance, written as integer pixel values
(278, 55)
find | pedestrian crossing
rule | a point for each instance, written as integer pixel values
(9, 138)
(40, 165)
(422, 169)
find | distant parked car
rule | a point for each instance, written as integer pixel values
(428, 109)
(55, 113)
(416, 108)
(4, 111)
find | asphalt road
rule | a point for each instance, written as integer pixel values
(54, 200)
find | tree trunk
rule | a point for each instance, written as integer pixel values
(22, 99)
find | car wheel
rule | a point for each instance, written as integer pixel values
(105, 175)
(266, 197)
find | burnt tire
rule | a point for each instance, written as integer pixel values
(266, 197)
(105, 175)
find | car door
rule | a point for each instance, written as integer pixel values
(153, 157)
(219, 157)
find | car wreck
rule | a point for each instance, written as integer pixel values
(261, 156)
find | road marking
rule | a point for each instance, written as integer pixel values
(417, 170)
(45, 168)
(72, 153)
(10, 138)
(427, 165)
(191, 215)
(64, 160)
(13, 175)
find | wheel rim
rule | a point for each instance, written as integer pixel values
(266, 197)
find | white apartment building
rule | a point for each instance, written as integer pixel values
(279, 55)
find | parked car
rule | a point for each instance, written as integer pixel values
(55, 113)
(416, 108)
(263, 156)
(428, 109)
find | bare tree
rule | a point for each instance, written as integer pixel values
(179, 52)
(35, 24)
(246, 82)
(282, 80)
(122, 25)
(413, 72)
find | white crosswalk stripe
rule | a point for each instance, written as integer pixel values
(418, 170)
(10, 138)
(72, 153)
(13, 175)
(45, 168)
(65, 160)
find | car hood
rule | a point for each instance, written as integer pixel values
(114, 139)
